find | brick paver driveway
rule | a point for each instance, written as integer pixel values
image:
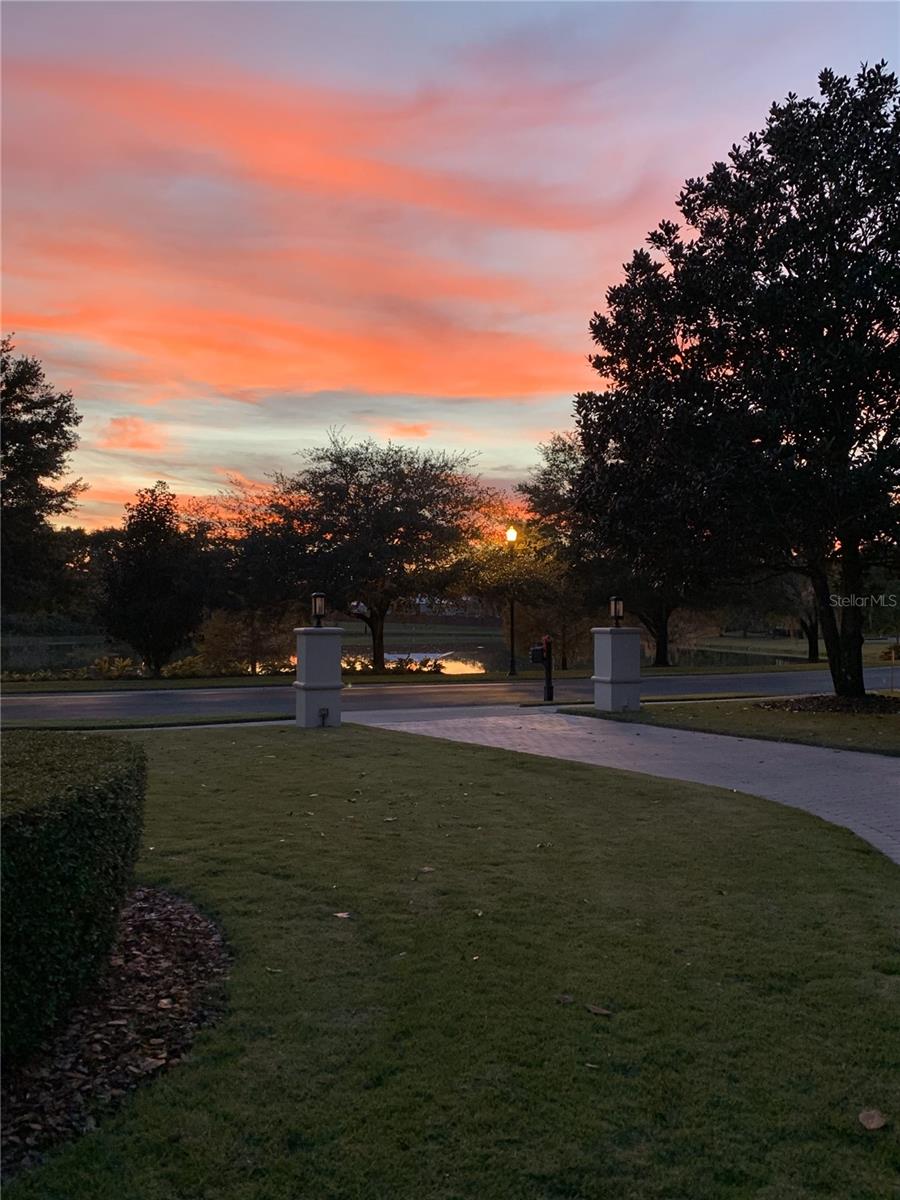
(858, 791)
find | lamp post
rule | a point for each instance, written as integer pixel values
(318, 608)
(511, 535)
(616, 609)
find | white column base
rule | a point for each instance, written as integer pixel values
(617, 669)
(318, 685)
(318, 707)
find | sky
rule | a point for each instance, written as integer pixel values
(230, 227)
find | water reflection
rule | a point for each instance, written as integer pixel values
(452, 665)
(450, 662)
(724, 658)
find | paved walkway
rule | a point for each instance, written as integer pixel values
(858, 791)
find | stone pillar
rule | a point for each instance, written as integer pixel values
(318, 680)
(617, 669)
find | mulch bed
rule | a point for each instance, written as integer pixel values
(165, 980)
(865, 706)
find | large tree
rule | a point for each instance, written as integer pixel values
(592, 564)
(257, 567)
(39, 435)
(568, 582)
(156, 578)
(382, 523)
(759, 350)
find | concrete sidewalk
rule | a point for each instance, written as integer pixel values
(858, 791)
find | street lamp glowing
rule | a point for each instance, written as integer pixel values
(511, 534)
(616, 609)
(318, 608)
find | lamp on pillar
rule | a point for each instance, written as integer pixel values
(318, 608)
(511, 534)
(318, 683)
(616, 609)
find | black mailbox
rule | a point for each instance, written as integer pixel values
(537, 654)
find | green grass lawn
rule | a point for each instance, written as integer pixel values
(841, 731)
(789, 647)
(76, 724)
(416, 1051)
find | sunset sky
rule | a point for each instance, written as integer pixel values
(230, 226)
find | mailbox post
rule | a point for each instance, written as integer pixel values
(543, 653)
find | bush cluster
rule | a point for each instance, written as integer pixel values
(101, 668)
(361, 663)
(71, 815)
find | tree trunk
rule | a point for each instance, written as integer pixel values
(810, 628)
(661, 637)
(844, 637)
(375, 622)
(657, 625)
(252, 643)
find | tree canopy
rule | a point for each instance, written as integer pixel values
(751, 414)
(381, 523)
(39, 435)
(156, 581)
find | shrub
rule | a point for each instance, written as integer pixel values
(192, 667)
(114, 668)
(405, 664)
(277, 666)
(71, 824)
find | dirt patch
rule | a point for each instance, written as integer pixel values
(863, 706)
(165, 980)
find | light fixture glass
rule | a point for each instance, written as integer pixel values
(511, 534)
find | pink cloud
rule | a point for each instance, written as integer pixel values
(133, 433)
(405, 429)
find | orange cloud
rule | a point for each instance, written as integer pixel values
(132, 433)
(303, 138)
(405, 429)
(342, 258)
(231, 350)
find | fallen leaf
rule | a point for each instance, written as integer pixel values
(598, 1011)
(872, 1118)
(565, 998)
(344, 916)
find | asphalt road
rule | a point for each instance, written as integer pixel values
(269, 701)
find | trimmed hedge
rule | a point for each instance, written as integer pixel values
(71, 815)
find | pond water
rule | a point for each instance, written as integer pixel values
(726, 658)
(477, 660)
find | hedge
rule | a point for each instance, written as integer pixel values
(70, 820)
